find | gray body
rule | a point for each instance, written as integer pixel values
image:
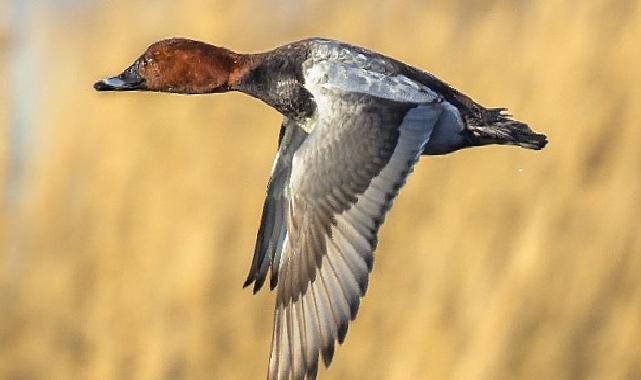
(355, 123)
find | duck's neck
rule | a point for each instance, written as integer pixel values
(275, 78)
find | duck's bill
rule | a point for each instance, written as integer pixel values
(119, 84)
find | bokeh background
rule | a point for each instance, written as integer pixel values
(127, 221)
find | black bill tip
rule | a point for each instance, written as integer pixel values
(102, 86)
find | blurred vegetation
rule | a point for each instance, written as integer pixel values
(128, 220)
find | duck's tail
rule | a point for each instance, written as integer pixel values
(504, 130)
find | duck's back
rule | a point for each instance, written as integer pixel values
(466, 122)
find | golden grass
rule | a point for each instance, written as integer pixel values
(124, 253)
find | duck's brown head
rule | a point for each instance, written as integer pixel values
(178, 65)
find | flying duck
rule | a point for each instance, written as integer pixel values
(354, 124)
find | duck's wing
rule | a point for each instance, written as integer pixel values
(344, 177)
(273, 224)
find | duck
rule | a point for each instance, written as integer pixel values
(355, 122)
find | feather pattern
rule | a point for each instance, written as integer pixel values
(344, 177)
(273, 227)
(341, 162)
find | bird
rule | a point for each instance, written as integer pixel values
(355, 122)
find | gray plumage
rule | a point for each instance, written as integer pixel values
(341, 161)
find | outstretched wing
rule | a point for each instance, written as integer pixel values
(343, 180)
(273, 224)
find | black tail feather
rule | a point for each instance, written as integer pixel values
(500, 129)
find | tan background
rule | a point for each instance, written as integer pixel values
(128, 221)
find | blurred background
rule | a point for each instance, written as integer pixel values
(128, 220)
